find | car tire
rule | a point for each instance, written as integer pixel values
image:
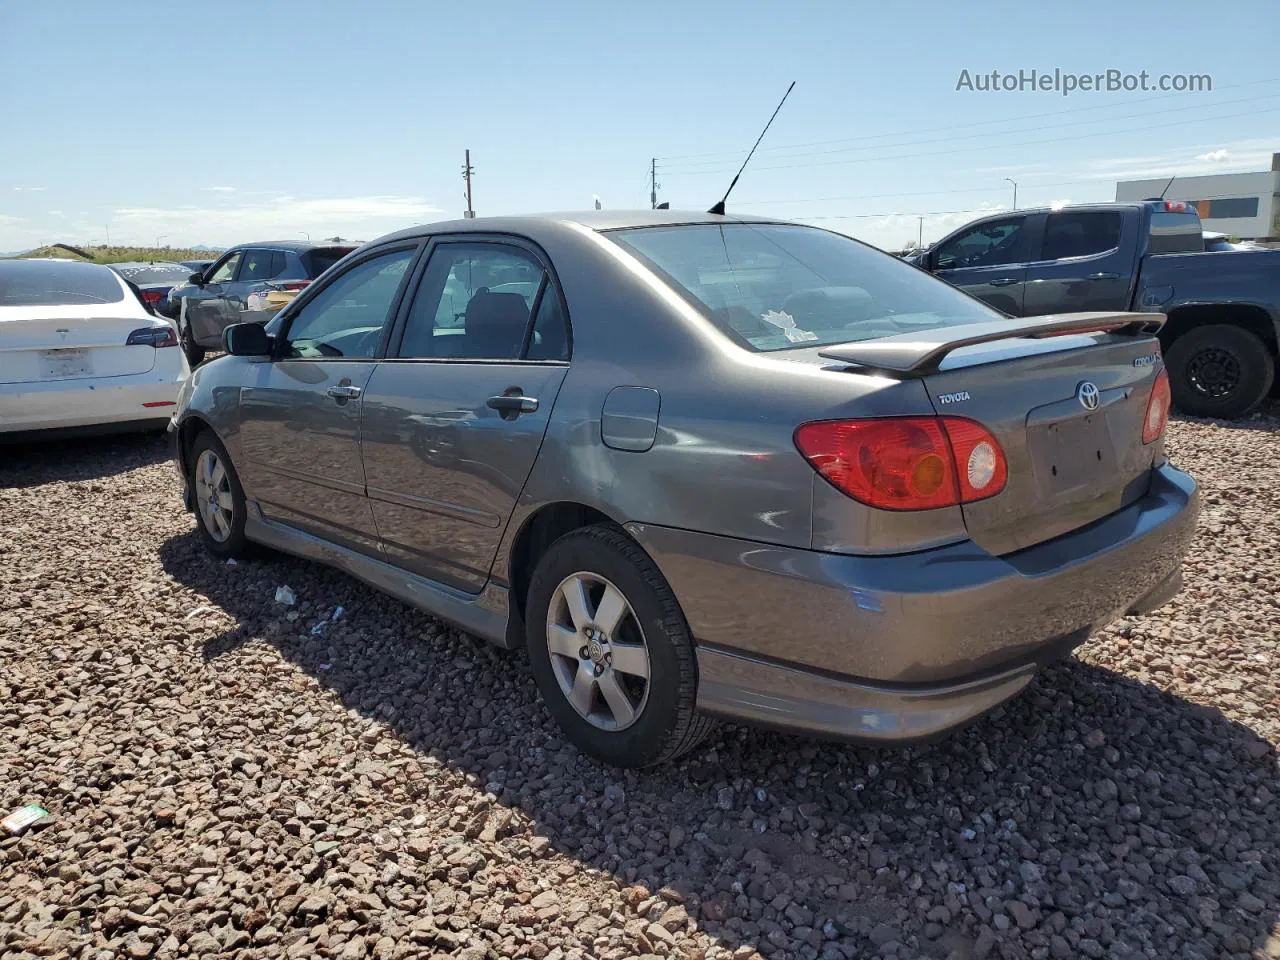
(190, 349)
(1219, 370)
(633, 716)
(217, 496)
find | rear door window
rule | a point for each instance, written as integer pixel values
(1081, 234)
(474, 302)
(261, 265)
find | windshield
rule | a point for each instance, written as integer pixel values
(775, 286)
(48, 283)
(144, 273)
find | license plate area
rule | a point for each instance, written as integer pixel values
(65, 364)
(1075, 453)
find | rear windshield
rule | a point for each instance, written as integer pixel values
(322, 258)
(144, 273)
(1175, 233)
(775, 286)
(47, 283)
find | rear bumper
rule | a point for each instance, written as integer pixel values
(902, 647)
(92, 402)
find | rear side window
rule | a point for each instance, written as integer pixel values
(261, 265)
(319, 260)
(48, 283)
(474, 303)
(1081, 234)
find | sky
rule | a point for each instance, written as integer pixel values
(248, 120)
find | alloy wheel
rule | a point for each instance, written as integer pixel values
(213, 496)
(598, 651)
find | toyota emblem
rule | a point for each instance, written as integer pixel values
(1087, 394)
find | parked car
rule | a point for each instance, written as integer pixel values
(1218, 242)
(154, 281)
(700, 467)
(81, 353)
(1221, 339)
(237, 286)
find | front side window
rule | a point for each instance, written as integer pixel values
(345, 319)
(990, 244)
(775, 286)
(474, 302)
(227, 269)
(1080, 234)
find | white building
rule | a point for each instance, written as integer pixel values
(1244, 205)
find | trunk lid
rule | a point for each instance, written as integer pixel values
(1065, 402)
(1069, 463)
(39, 344)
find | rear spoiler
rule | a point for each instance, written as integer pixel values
(920, 354)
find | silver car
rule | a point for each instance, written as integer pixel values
(701, 466)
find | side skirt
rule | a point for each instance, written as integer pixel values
(483, 615)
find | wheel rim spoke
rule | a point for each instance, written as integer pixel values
(564, 641)
(624, 713)
(217, 475)
(224, 500)
(584, 685)
(631, 659)
(612, 608)
(575, 597)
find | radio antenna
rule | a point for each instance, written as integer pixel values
(719, 207)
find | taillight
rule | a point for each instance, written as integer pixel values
(906, 463)
(153, 296)
(164, 336)
(1175, 206)
(1158, 405)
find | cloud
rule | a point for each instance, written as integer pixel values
(1240, 156)
(5, 218)
(56, 213)
(284, 216)
(30, 189)
(1214, 156)
(219, 189)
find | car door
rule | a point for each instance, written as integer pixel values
(454, 417)
(205, 310)
(300, 409)
(1085, 263)
(987, 260)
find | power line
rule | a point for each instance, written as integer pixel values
(928, 193)
(980, 147)
(971, 136)
(973, 123)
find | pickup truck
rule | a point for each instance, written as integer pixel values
(1221, 340)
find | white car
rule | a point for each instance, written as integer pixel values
(80, 352)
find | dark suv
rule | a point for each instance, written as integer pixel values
(248, 282)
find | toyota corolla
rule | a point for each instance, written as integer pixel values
(701, 467)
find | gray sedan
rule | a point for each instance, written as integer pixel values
(701, 466)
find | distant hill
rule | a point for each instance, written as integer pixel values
(102, 253)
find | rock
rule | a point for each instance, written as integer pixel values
(985, 943)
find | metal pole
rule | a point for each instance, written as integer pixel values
(466, 173)
(920, 234)
(1015, 191)
(653, 183)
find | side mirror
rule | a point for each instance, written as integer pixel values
(246, 340)
(197, 278)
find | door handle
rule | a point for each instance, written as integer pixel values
(511, 407)
(344, 391)
(1104, 276)
(1004, 281)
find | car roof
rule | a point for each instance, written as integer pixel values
(598, 220)
(298, 246)
(79, 264)
(144, 263)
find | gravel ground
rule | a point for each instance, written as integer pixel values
(230, 776)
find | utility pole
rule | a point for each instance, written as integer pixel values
(653, 183)
(920, 234)
(467, 170)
